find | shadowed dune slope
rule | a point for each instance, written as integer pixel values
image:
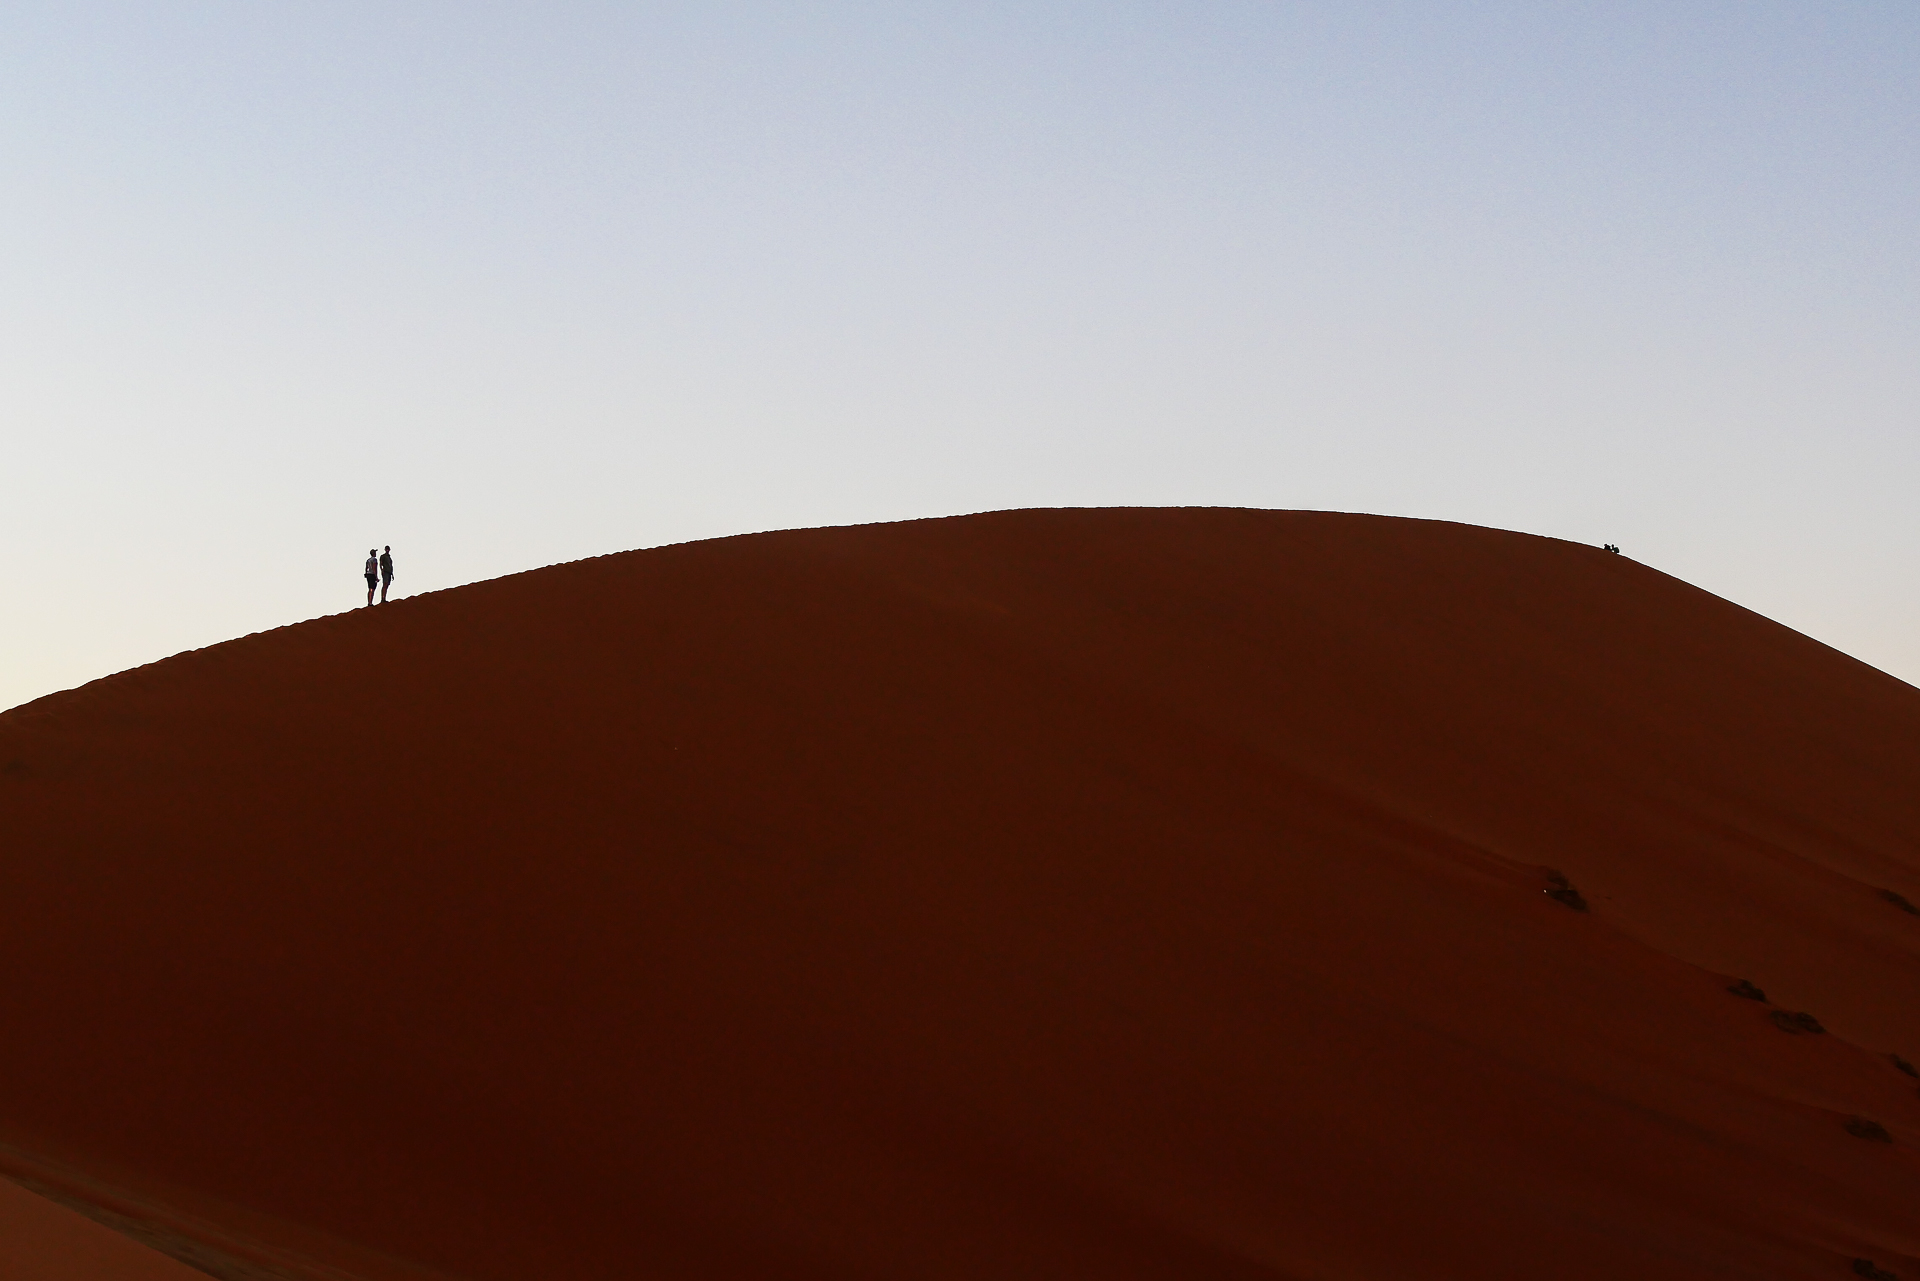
(1118, 894)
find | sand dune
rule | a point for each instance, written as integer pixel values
(43, 1241)
(1117, 894)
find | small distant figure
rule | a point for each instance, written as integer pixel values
(1609, 547)
(386, 572)
(373, 573)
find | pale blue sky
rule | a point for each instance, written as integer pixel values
(504, 285)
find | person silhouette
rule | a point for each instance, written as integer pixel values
(386, 573)
(373, 573)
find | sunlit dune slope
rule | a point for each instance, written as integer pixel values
(1109, 894)
(43, 1241)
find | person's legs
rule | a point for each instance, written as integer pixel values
(384, 584)
(369, 591)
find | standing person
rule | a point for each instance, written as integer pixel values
(386, 573)
(373, 574)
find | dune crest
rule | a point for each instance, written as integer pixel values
(1119, 893)
(44, 1241)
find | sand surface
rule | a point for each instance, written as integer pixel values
(1107, 894)
(43, 1241)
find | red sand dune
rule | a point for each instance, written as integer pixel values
(1116, 894)
(41, 1241)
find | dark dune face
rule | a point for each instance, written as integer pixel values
(1119, 894)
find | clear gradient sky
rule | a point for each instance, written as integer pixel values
(510, 284)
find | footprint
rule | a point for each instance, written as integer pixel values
(1861, 1128)
(1795, 1023)
(1748, 990)
(1563, 891)
(1903, 1065)
(1865, 1268)
(1900, 901)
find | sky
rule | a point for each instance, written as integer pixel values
(503, 285)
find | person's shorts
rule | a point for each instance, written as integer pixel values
(372, 582)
